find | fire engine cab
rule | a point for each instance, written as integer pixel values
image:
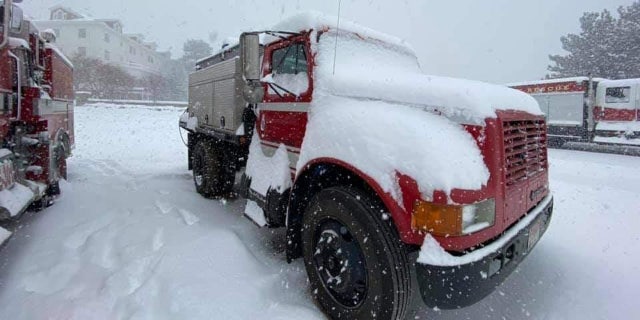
(335, 134)
(36, 113)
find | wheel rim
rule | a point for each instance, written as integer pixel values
(340, 264)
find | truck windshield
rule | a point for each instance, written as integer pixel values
(618, 95)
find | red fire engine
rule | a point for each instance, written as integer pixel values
(36, 113)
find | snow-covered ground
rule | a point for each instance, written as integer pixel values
(131, 239)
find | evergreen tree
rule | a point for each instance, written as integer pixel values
(195, 50)
(606, 47)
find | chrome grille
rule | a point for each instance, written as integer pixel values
(525, 149)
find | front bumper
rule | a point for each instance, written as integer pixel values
(451, 287)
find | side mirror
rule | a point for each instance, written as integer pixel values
(250, 47)
(5, 17)
(250, 54)
(16, 19)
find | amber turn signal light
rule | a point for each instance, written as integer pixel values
(453, 220)
(442, 220)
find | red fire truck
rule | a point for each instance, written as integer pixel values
(583, 109)
(36, 113)
(258, 111)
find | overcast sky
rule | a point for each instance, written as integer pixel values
(495, 40)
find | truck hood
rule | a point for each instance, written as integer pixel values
(463, 101)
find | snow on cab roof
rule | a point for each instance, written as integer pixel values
(319, 21)
(620, 82)
(550, 81)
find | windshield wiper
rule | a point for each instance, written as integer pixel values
(275, 88)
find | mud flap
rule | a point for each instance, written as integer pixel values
(255, 213)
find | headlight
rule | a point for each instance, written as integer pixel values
(453, 220)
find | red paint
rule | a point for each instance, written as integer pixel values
(6, 71)
(59, 76)
(282, 127)
(569, 86)
(610, 114)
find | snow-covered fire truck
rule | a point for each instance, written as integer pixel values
(36, 113)
(338, 136)
(584, 109)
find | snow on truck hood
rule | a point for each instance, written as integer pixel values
(460, 100)
(382, 139)
(373, 65)
(370, 111)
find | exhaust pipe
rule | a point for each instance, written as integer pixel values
(6, 23)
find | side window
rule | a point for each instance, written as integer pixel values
(618, 95)
(289, 71)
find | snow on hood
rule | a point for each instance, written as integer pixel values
(439, 154)
(460, 100)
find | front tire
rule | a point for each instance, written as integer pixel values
(357, 266)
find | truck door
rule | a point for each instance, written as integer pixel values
(288, 87)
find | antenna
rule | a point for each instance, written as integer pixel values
(335, 50)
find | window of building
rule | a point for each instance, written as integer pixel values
(106, 37)
(58, 15)
(82, 51)
(107, 55)
(82, 33)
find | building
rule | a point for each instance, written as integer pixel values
(104, 39)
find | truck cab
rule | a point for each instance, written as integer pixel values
(339, 137)
(617, 111)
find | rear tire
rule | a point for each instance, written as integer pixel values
(212, 176)
(357, 266)
(60, 159)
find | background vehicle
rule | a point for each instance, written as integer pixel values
(36, 114)
(364, 166)
(584, 109)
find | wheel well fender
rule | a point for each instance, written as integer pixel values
(326, 173)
